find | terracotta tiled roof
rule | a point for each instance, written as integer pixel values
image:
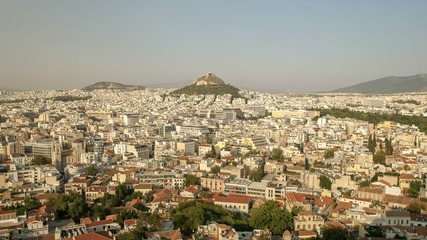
(130, 222)
(421, 231)
(343, 206)
(111, 217)
(35, 218)
(335, 224)
(407, 176)
(92, 236)
(306, 233)
(88, 220)
(191, 189)
(169, 235)
(231, 199)
(135, 201)
(144, 186)
(46, 196)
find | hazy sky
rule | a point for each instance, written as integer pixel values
(282, 45)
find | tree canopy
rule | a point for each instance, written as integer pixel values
(91, 170)
(375, 118)
(191, 179)
(189, 215)
(215, 169)
(271, 216)
(415, 207)
(71, 205)
(329, 153)
(256, 174)
(41, 160)
(379, 157)
(325, 182)
(333, 233)
(277, 154)
(414, 189)
(125, 236)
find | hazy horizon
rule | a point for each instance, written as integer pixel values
(276, 46)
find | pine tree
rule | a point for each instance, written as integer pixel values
(371, 144)
(388, 147)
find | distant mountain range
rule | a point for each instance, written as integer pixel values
(112, 85)
(208, 84)
(392, 84)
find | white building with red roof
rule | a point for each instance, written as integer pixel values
(103, 225)
(191, 191)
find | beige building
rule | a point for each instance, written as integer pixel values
(124, 176)
(217, 231)
(273, 166)
(205, 149)
(344, 182)
(310, 180)
(308, 220)
(143, 188)
(233, 202)
(237, 171)
(393, 180)
(372, 192)
(213, 184)
(186, 148)
(93, 193)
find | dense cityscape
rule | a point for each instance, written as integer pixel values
(151, 164)
(213, 120)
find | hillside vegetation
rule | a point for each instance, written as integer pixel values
(208, 89)
(375, 118)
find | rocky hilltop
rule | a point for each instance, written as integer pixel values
(208, 84)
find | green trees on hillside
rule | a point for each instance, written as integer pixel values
(333, 233)
(256, 174)
(215, 169)
(220, 89)
(271, 216)
(325, 182)
(414, 189)
(388, 147)
(277, 154)
(379, 157)
(329, 153)
(189, 215)
(71, 206)
(41, 160)
(375, 118)
(91, 170)
(191, 179)
(372, 143)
